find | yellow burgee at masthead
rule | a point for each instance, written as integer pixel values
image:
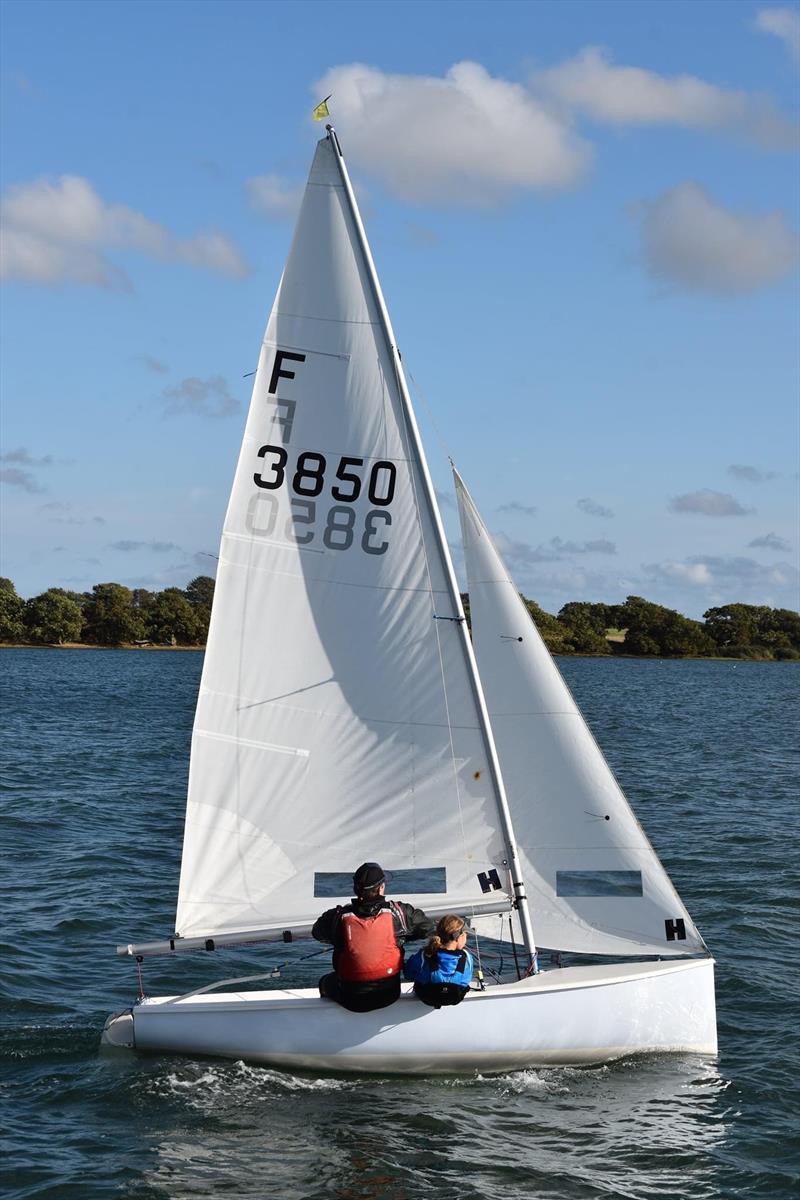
(321, 111)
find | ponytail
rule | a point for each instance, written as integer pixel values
(448, 930)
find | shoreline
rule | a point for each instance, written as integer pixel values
(615, 657)
(88, 646)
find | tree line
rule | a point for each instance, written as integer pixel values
(109, 615)
(114, 615)
(639, 627)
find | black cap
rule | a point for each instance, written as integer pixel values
(368, 876)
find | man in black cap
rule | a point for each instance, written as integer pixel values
(367, 936)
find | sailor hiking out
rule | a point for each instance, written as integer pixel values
(442, 970)
(367, 936)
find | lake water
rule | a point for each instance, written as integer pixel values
(94, 765)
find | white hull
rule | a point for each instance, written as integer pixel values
(578, 1015)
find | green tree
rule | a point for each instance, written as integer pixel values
(201, 591)
(585, 627)
(783, 626)
(53, 617)
(12, 609)
(582, 613)
(171, 620)
(652, 629)
(111, 618)
(582, 638)
(732, 627)
(200, 594)
(553, 633)
(788, 622)
(754, 631)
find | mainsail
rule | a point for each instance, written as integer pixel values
(594, 882)
(337, 719)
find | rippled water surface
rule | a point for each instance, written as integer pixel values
(94, 764)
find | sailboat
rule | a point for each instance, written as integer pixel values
(345, 714)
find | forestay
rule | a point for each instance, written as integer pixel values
(336, 720)
(595, 884)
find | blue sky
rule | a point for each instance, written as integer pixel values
(584, 216)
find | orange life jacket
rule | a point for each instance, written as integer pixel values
(369, 949)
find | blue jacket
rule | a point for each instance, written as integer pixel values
(444, 968)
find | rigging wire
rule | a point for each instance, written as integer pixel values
(273, 973)
(474, 933)
(533, 967)
(513, 946)
(139, 979)
(429, 411)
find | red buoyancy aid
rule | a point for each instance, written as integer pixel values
(369, 948)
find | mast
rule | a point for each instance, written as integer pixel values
(517, 882)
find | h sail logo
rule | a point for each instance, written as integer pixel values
(675, 930)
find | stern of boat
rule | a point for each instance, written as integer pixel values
(118, 1031)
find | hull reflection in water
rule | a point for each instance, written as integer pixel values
(579, 1015)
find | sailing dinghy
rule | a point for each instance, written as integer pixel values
(343, 716)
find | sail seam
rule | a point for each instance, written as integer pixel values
(306, 350)
(368, 719)
(240, 741)
(248, 540)
(232, 562)
(327, 320)
(396, 458)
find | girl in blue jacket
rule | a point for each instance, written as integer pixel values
(442, 970)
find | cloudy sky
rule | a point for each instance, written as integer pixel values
(585, 218)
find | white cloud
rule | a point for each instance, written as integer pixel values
(15, 477)
(750, 474)
(689, 239)
(589, 83)
(785, 24)
(552, 584)
(467, 138)
(129, 547)
(598, 546)
(593, 509)
(63, 515)
(770, 541)
(203, 397)
(275, 196)
(514, 506)
(26, 459)
(727, 580)
(153, 364)
(709, 504)
(57, 231)
(517, 554)
(524, 555)
(421, 235)
(695, 573)
(40, 260)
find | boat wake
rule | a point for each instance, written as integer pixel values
(217, 1086)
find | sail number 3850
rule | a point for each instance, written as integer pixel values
(307, 481)
(308, 478)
